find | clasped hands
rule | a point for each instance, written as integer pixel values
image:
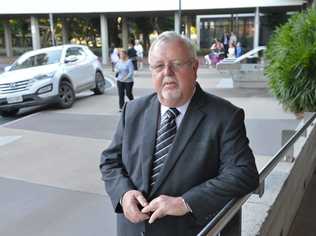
(133, 201)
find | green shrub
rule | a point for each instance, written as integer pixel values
(291, 54)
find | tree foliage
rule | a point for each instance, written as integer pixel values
(147, 25)
(291, 54)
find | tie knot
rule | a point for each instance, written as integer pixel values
(172, 113)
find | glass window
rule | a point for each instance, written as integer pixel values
(41, 59)
(214, 27)
(29, 62)
(75, 51)
(54, 57)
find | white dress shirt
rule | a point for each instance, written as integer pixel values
(182, 109)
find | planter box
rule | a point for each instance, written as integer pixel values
(245, 75)
(249, 76)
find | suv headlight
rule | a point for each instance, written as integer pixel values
(45, 89)
(44, 76)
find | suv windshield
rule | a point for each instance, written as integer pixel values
(45, 58)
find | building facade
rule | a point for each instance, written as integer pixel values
(202, 21)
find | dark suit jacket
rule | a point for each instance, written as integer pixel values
(209, 163)
(223, 39)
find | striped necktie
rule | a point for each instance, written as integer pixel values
(165, 136)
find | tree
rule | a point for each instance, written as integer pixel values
(114, 30)
(144, 25)
(291, 54)
(147, 25)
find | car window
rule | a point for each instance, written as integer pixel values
(41, 59)
(54, 56)
(29, 62)
(75, 51)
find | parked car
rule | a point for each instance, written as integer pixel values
(50, 75)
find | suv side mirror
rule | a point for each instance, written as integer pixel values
(71, 59)
(7, 68)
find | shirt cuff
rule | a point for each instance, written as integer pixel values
(187, 205)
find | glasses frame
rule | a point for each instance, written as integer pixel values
(175, 65)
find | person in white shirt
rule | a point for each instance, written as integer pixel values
(140, 53)
(233, 38)
(114, 58)
(231, 51)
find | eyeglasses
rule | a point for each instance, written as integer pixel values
(175, 65)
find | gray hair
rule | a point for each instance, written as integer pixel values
(170, 36)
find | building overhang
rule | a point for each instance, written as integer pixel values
(142, 7)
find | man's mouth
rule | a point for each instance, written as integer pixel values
(170, 84)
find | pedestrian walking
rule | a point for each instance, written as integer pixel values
(114, 58)
(132, 54)
(124, 76)
(140, 53)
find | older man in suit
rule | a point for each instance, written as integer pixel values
(178, 155)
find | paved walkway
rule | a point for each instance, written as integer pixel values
(49, 160)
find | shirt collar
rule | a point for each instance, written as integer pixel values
(182, 108)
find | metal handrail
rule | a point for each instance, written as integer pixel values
(278, 156)
(216, 225)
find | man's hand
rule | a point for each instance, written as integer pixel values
(165, 205)
(130, 202)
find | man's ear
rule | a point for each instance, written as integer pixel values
(195, 66)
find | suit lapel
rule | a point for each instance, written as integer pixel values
(149, 139)
(188, 126)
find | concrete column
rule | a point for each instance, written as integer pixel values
(177, 22)
(52, 30)
(124, 33)
(65, 30)
(36, 42)
(188, 24)
(198, 34)
(7, 38)
(232, 28)
(104, 38)
(257, 28)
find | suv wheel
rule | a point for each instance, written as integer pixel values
(99, 83)
(66, 95)
(9, 113)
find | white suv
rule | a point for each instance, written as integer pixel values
(50, 75)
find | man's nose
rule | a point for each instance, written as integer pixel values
(168, 69)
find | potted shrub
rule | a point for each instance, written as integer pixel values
(291, 69)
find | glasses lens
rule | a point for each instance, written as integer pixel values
(174, 65)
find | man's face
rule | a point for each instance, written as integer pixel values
(174, 73)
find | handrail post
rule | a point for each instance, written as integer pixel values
(286, 135)
(260, 190)
(233, 228)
